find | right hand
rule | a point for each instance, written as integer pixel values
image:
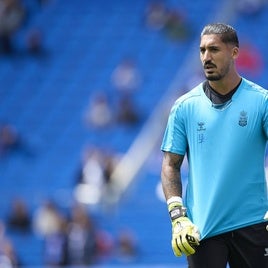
(185, 236)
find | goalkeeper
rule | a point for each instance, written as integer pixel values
(222, 127)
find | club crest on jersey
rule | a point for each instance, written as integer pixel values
(243, 119)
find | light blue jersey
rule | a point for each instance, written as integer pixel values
(225, 148)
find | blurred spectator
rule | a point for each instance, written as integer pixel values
(172, 22)
(126, 77)
(250, 60)
(105, 245)
(108, 192)
(82, 240)
(8, 256)
(43, 2)
(34, 42)
(9, 139)
(12, 14)
(176, 26)
(250, 7)
(126, 246)
(126, 112)
(91, 176)
(109, 163)
(99, 113)
(19, 218)
(155, 15)
(90, 179)
(50, 224)
(47, 219)
(94, 177)
(55, 246)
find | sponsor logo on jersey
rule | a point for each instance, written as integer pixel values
(201, 129)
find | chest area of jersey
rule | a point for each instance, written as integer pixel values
(236, 124)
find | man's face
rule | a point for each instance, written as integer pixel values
(216, 56)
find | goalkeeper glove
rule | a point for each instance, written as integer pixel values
(185, 235)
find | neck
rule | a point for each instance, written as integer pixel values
(225, 85)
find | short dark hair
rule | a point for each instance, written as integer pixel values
(227, 33)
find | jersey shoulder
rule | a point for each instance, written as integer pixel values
(253, 87)
(190, 96)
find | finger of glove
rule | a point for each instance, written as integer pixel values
(181, 246)
(192, 240)
(194, 234)
(176, 249)
(186, 247)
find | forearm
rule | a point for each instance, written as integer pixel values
(185, 235)
(171, 175)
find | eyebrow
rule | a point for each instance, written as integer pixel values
(210, 47)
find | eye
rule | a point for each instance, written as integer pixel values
(202, 50)
(214, 49)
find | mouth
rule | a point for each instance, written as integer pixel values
(209, 66)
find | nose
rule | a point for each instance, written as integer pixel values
(206, 56)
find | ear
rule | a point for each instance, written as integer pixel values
(235, 53)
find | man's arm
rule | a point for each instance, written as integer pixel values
(171, 175)
(185, 235)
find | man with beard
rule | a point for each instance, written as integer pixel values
(222, 127)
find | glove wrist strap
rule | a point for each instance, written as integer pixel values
(176, 212)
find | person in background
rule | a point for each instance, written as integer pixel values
(99, 113)
(12, 15)
(50, 224)
(81, 237)
(47, 219)
(126, 246)
(156, 15)
(19, 218)
(126, 77)
(9, 139)
(8, 255)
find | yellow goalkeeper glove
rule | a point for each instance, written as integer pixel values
(185, 235)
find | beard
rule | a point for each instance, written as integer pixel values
(214, 77)
(217, 74)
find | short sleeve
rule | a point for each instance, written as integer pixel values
(174, 139)
(265, 117)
